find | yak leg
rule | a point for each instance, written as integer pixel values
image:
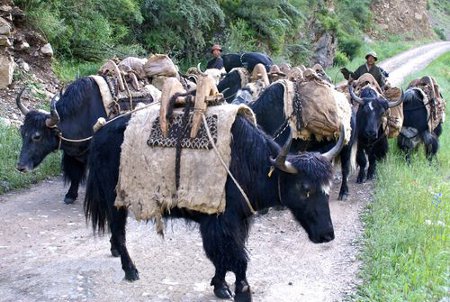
(345, 169)
(372, 166)
(362, 162)
(378, 152)
(225, 247)
(118, 243)
(74, 172)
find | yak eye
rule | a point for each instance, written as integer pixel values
(36, 137)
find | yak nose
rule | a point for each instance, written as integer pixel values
(21, 168)
(328, 237)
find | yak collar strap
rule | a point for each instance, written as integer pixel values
(225, 166)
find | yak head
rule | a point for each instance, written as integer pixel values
(39, 135)
(372, 109)
(304, 187)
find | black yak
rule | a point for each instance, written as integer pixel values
(269, 111)
(299, 182)
(415, 128)
(372, 138)
(72, 116)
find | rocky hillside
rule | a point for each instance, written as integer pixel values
(25, 60)
(401, 17)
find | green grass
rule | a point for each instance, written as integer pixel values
(10, 178)
(406, 252)
(68, 71)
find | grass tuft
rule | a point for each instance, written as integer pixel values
(406, 251)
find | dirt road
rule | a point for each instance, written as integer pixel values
(48, 252)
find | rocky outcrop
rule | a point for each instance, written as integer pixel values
(403, 17)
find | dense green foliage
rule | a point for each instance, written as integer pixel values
(93, 30)
(407, 236)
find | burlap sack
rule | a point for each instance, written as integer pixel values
(146, 182)
(394, 114)
(320, 112)
(433, 101)
(134, 64)
(160, 65)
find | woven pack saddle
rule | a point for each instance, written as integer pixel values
(186, 127)
(127, 85)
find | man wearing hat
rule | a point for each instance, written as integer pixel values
(369, 67)
(217, 61)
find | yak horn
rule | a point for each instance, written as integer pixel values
(330, 154)
(354, 96)
(396, 103)
(200, 70)
(280, 162)
(22, 107)
(54, 116)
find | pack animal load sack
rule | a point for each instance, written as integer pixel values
(434, 102)
(365, 79)
(147, 180)
(160, 65)
(395, 114)
(316, 109)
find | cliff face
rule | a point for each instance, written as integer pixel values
(403, 17)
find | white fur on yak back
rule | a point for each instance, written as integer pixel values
(147, 175)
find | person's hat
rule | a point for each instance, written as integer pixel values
(216, 46)
(373, 54)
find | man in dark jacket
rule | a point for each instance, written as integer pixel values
(217, 61)
(369, 67)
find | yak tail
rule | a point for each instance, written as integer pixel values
(104, 160)
(431, 143)
(96, 204)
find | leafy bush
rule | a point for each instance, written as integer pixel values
(349, 45)
(440, 33)
(340, 59)
(240, 37)
(180, 28)
(88, 30)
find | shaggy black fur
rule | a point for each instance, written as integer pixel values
(224, 235)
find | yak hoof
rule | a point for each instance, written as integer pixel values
(243, 292)
(69, 200)
(115, 252)
(342, 196)
(132, 274)
(222, 291)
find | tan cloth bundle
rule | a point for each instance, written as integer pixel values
(433, 101)
(395, 114)
(365, 79)
(160, 65)
(323, 110)
(147, 175)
